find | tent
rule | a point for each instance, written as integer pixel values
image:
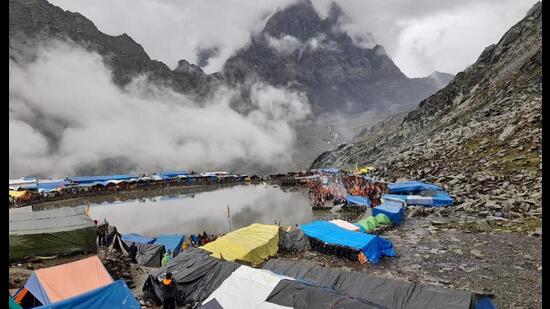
(14, 304)
(411, 187)
(137, 238)
(358, 200)
(51, 232)
(19, 194)
(53, 284)
(252, 244)
(196, 273)
(116, 295)
(212, 304)
(256, 283)
(172, 174)
(374, 247)
(394, 210)
(439, 199)
(293, 240)
(149, 255)
(51, 185)
(345, 225)
(389, 293)
(89, 179)
(172, 242)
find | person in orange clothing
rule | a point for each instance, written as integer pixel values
(169, 292)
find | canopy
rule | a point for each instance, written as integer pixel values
(256, 283)
(374, 247)
(385, 292)
(116, 295)
(53, 284)
(412, 186)
(137, 238)
(51, 232)
(88, 179)
(252, 244)
(344, 224)
(394, 211)
(358, 200)
(172, 242)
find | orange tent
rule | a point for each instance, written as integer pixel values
(52, 284)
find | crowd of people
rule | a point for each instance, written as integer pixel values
(357, 185)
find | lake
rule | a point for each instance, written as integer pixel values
(208, 211)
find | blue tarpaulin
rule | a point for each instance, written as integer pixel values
(51, 185)
(394, 211)
(330, 170)
(441, 198)
(172, 242)
(358, 200)
(133, 237)
(115, 295)
(413, 186)
(374, 247)
(172, 174)
(88, 179)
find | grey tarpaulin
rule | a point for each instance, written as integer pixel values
(148, 255)
(381, 291)
(197, 275)
(300, 295)
(295, 240)
(118, 244)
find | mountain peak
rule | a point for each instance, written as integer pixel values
(299, 20)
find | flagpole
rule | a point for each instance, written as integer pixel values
(229, 217)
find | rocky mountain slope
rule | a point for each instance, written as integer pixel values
(480, 136)
(35, 20)
(300, 49)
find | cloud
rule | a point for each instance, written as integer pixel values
(65, 114)
(420, 36)
(284, 45)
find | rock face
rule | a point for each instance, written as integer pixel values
(480, 136)
(298, 48)
(33, 20)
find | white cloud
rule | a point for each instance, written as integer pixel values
(284, 45)
(421, 36)
(65, 112)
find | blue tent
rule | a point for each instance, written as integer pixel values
(51, 185)
(374, 247)
(114, 295)
(358, 200)
(172, 242)
(394, 211)
(441, 198)
(88, 179)
(411, 187)
(172, 174)
(133, 237)
(331, 170)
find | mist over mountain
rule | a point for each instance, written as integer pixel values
(299, 63)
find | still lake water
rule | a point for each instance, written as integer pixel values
(207, 211)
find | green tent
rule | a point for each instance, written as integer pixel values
(51, 232)
(13, 304)
(382, 219)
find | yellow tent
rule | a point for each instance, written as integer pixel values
(253, 244)
(17, 194)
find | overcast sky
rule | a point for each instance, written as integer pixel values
(420, 36)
